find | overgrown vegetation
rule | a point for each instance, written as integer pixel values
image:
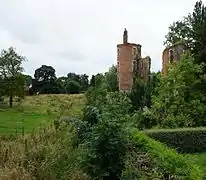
(106, 139)
(150, 159)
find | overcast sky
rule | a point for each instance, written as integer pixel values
(81, 35)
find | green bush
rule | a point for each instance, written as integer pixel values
(106, 143)
(90, 115)
(186, 140)
(106, 149)
(149, 159)
(143, 119)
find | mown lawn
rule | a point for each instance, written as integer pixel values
(35, 111)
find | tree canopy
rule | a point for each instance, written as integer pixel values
(13, 82)
(191, 31)
(180, 102)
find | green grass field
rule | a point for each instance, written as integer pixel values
(34, 111)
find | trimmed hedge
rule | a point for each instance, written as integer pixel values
(184, 140)
(153, 160)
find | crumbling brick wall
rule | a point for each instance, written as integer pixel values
(171, 55)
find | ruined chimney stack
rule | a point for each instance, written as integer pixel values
(125, 36)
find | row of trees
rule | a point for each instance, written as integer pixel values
(46, 82)
(14, 83)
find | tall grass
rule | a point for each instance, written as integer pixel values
(45, 154)
(39, 152)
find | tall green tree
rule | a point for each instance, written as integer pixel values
(111, 79)
(11, 74)
(45, 80)
(82, 80)
(97, 80)
(73, 87)
(74, 77)
(61, 83)
(154, 82)
(45, 74)
(138, 94)
(180, 102)
(192, 31)
(92, 81)
(28, 80)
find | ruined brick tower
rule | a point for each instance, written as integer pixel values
(170, 55)
(130, 64)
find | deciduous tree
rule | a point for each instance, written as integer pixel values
(111, 79)
(45, 80)
(13, 82)
(192, 31)
(180, 102)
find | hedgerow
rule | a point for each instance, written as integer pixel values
(149, 159)
(185, 140)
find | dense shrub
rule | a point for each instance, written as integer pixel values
(188, 140)
(143, 119)
(180, 101)
(138, 94)
(107, 142)
(91, 115)
(106, 149)
(113, 153)
(149, 159)
(96, 96)
(84, 126)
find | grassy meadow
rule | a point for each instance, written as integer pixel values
(45, 153)
(40, 153)
(40, 110)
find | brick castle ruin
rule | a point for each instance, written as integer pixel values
(131, 65)
(170, 55)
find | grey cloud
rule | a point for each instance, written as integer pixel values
(74, 55)
(81, 36)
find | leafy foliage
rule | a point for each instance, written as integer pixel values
(11, 74)
(45, 73)
(73, 87)
(46, 82)
(180, 102)
(138, 94)
(97, 80)
(192, 32)
(143, 119)
(106, 146)
(111, 79)
(149, 159)
(108, 142)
